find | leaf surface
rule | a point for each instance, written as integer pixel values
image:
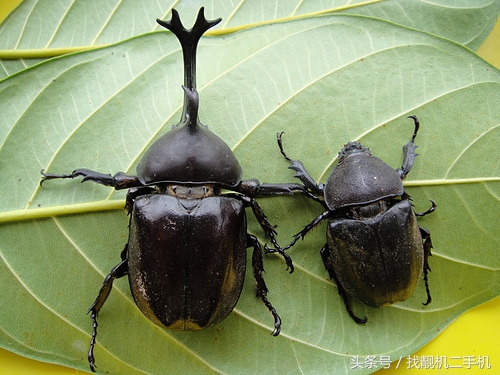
(44, 24)
(324, 81)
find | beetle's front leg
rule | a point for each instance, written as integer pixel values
(118, 271)
(325, 255)
(260, 284)
(313, 189)
(409, 154)
(253, 188)
(118, 181)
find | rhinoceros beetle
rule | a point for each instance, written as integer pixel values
(375, 250)
(186, 251)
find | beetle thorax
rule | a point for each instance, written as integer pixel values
(360, 178)
(189, 153)
(190, 191)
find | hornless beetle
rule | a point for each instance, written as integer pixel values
(375, 250)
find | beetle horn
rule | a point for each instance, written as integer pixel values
(191, 104)
(189, 42)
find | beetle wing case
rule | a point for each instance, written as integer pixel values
(187, 261)
(378, 260)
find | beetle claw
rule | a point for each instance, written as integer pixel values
(286, 257)
(277, 320)
(358, 320)
(90, 355)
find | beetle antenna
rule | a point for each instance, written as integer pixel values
(189, 42)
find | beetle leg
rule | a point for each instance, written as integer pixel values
(254, 188)
(118, 181)
(433, 207)
(266, 226)
(426, 236)
(305, 230)
(132, 194)
(299, 235)
(409, 154)
(325, 255)
(118, 271)
(260, 284)
(313, 189)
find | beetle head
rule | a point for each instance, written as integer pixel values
(352, 148)
(189, 153)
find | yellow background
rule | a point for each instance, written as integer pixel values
(475, 333)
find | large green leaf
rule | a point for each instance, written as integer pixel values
(45, 24)
(324, 81)
(42, 24)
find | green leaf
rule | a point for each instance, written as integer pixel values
(45, 24)
(37, 25)
(463, 21)
(324, 81)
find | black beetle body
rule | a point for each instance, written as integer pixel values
(377, 260)
(202, 262)
(171, 158)
(360, 178)
(186, 252)
(376, 252)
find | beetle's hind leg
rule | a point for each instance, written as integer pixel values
(260, 284)
(325, 255)
(426, 237)
(118, 271)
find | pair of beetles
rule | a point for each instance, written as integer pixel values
(186, 252)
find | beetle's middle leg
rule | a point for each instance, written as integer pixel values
(325, 255)
(306, 229)
(265, 225)
(260, 284)
(432, 209)
(118, 271)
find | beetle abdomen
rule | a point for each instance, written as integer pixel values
(378, 260)
(186, 268)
